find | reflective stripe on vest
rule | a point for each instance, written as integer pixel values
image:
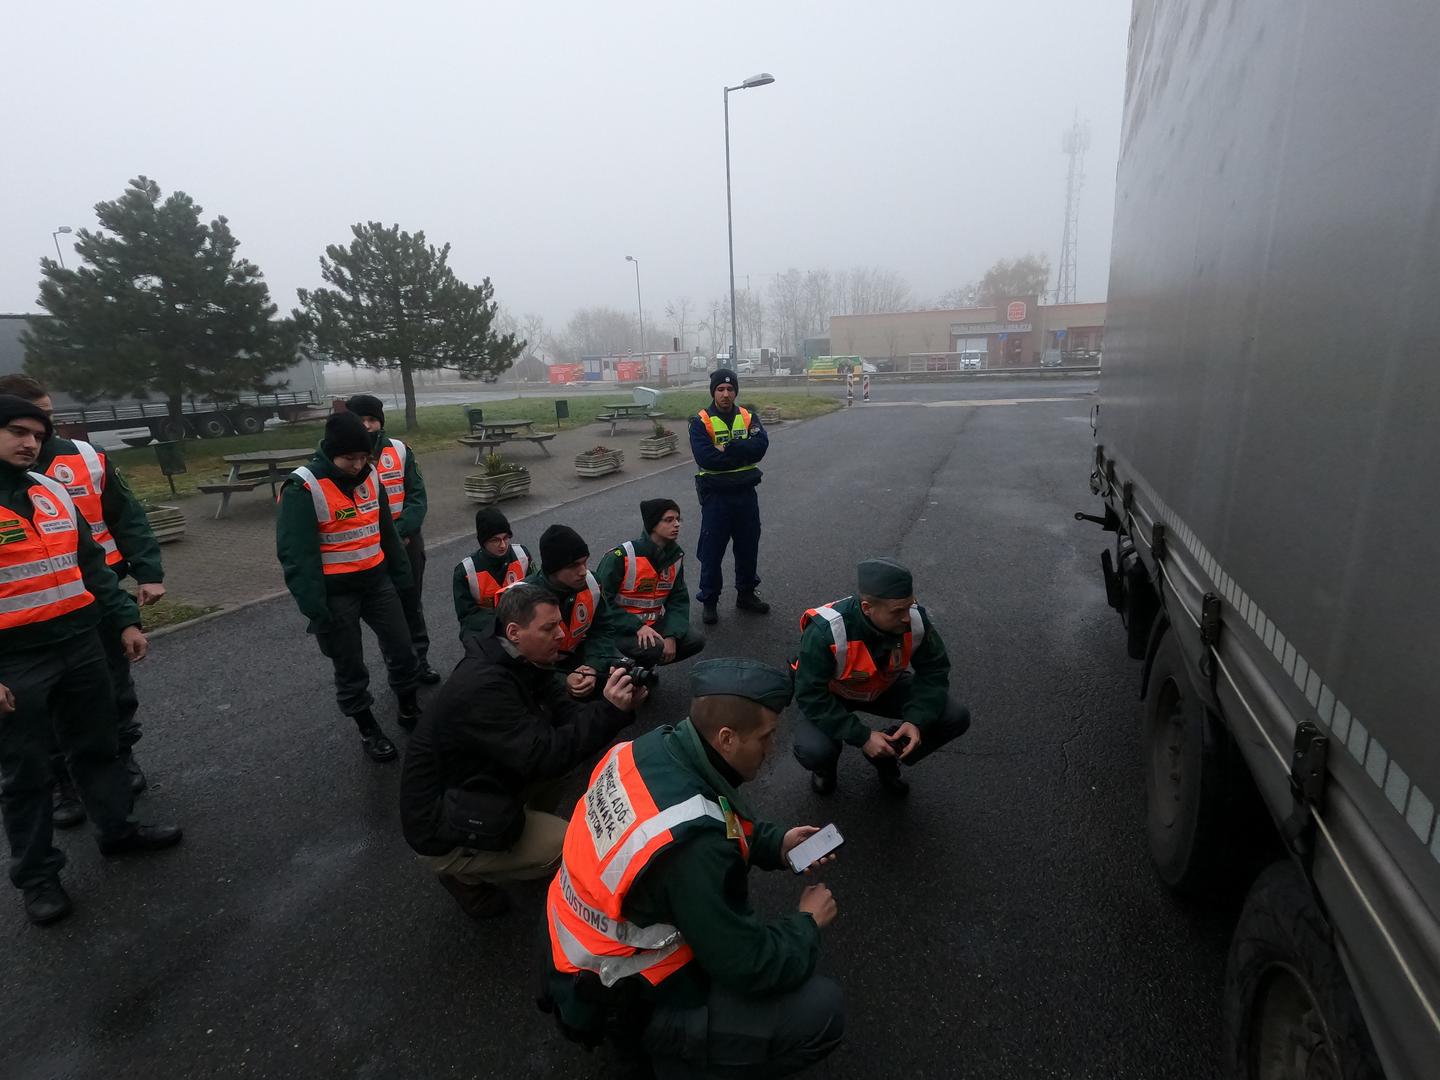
(484, 589)
(391, 467)
(722, 433)
(644, 590)
(616, 830)
(83, 475)
(40, 576)
(857, 677)
(349, 527)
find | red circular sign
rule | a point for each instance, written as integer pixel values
(1016, 311)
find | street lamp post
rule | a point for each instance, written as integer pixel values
(763, 79)
(638, 305)
(56, 237)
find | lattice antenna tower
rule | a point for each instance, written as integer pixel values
(1073, 144)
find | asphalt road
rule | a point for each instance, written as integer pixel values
(1002, 922)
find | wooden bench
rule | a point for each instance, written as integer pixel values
(538, 440)
(226, 488)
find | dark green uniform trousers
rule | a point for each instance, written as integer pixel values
(820, 752)
(377, 605)
(62, 696)
(747, 1038)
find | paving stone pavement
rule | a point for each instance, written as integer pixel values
(232, 561)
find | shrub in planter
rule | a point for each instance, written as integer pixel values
(598, 461)
(660, 443)
(501, 480)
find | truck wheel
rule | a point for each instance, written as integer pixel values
(212, 426)
(1289, 1011)
(1184, 776)
(169, 430)
(249, 423)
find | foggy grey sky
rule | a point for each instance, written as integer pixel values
(547, 141)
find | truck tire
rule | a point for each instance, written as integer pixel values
(1185, 789)
(212, 426)
(249, 423)
(168, 430)
(1289, 1012)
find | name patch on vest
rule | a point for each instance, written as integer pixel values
(608, 813)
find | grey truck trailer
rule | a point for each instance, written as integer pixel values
(1268, 454)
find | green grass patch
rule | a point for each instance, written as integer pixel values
(167, 612)
(439, 427)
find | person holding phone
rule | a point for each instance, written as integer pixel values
(653, 942)
(878, 653)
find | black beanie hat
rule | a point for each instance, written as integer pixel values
(12, 408)
(345, 434)
(366, 405)
(489, 522)
(652, 510)
(724, 377)
(560, 546)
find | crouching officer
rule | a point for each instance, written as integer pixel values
(399, 474)
(343, 563)
(480, 577)
(643, 581)
(55, 591)
(875, 653)
(653, 943)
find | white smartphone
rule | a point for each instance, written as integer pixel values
(814, 848)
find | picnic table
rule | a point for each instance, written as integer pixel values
(627, 411)
(489, 434)
(249, 470)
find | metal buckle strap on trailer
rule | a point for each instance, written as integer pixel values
(1315, 819)
(1308, 777)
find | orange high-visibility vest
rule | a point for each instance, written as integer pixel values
(857, 676)
(83, 474)
(616, 831)
(582, 613)
(484, 588)
(349, 526)
(40, 576)
(644, 589)
(391, 467)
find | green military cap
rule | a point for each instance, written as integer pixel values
(885, 579)
(769, 686)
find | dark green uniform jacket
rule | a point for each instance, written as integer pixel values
(620, 623)
(122, 512)
(412, 516)
(928, 692)
(473, 618)
(297, 543)
(112, 603)
(699, 886)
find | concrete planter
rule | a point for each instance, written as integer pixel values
(599, 462)
(658, 446)
(166, 522)
(487, 488)
(770, 414)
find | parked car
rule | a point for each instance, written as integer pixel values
(971, 361)
(745, 367)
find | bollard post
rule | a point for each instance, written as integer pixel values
(865, 387)
(849, 389)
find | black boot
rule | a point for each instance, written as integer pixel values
(888, 771)
(409, 711)
(750, 601)
(708, 613)
(377, 746)
(141, 839)
(428, 675)
(822, 783)
(68, 811)
(46, 903)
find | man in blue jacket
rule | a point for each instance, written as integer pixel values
(728, 444)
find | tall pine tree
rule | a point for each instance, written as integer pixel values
(160, 306)
(395, 304)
